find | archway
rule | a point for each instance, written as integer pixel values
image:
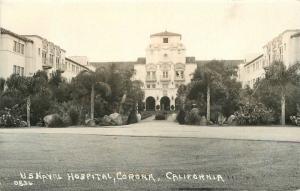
(165, 103)
(150, 103)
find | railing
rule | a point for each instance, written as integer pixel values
(151, 79)
(165, 78)
(179, 78)
(61, 68)
(46, 64)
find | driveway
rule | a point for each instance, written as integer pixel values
(166, 128)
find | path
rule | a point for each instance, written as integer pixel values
(164, 128)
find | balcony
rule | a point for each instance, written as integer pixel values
(61, 69)
(47, 65)
(179, 78)
(151, 79)
(165, 78)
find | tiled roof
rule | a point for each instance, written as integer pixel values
(227, 62)
(254, 60)
(121, 65)
(5, 31)
(166, 33)
(70, 60)
(296, 35)
(141, 60)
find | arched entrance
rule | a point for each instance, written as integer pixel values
(165, 103)
(150, 103)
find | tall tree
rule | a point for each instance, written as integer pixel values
(28, 87)
(279, 78)
(94, 84)
(207, 77)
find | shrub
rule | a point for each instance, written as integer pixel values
(10, 118)
(295, 120)
(56, 121)
(193, 117)
(39, 108)
(74, 116)
(157, 107)
(172, 107)
(146, 114)
(181, 116)
(254, 114)
(132, 118)
(160, 116)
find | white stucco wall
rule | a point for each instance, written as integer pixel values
(9, 58)
(161, 58)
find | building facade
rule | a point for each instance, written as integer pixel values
(285, 47)
(163, 70)
(27, 54)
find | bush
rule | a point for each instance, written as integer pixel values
(9, 118)
(39, 108)
(254, 114)
(157, 107)
(181, 116)
(132, 118)
(74, 116)
(193, 117)
(295, 120)
(56, 121)
(160, 116)
(146, 114)
(172, 107)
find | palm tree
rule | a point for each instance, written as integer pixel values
(279, 77)
(96, 83)
(27, 87)
(208, 77)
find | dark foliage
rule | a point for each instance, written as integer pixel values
(181, 117)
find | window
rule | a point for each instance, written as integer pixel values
(148, 85)
(15, 46)
(51, 58)
(165, 86)
(18, 70)
(148, 74)
(153, 86)
(39, 51)
(165, 40)
(18, 47)
(44, 57)
(22, 48)
(165, 74)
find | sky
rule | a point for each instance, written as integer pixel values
(120, 30)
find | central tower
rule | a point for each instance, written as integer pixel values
(164, 70)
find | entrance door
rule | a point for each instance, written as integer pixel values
(150, 104)
(165, 103)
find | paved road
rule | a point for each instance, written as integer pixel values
(154, 128)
